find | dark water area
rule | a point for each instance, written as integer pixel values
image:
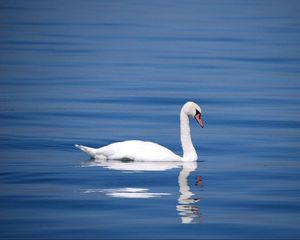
(96, 72)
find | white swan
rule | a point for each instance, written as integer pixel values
(148, 151)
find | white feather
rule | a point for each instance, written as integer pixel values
(148, 151)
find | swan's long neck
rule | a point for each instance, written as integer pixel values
(189, 152)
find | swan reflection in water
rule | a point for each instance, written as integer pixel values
(187, 210)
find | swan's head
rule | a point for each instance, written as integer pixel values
(194, 110)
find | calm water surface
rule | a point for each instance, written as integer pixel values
(95, 72)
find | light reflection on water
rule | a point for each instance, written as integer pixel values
(126, 192)
(186, 209)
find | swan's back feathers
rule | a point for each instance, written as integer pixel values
(88, 150)
(133, 150)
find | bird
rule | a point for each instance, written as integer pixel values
(137, 150)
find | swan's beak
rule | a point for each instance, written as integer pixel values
(199, 120)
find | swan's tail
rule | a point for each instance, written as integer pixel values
(88, 150)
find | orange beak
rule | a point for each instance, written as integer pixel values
(199, 120)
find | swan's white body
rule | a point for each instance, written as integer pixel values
(148, 151)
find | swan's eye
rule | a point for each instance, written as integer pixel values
(197, 112)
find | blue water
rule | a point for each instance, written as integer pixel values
(95, 72)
